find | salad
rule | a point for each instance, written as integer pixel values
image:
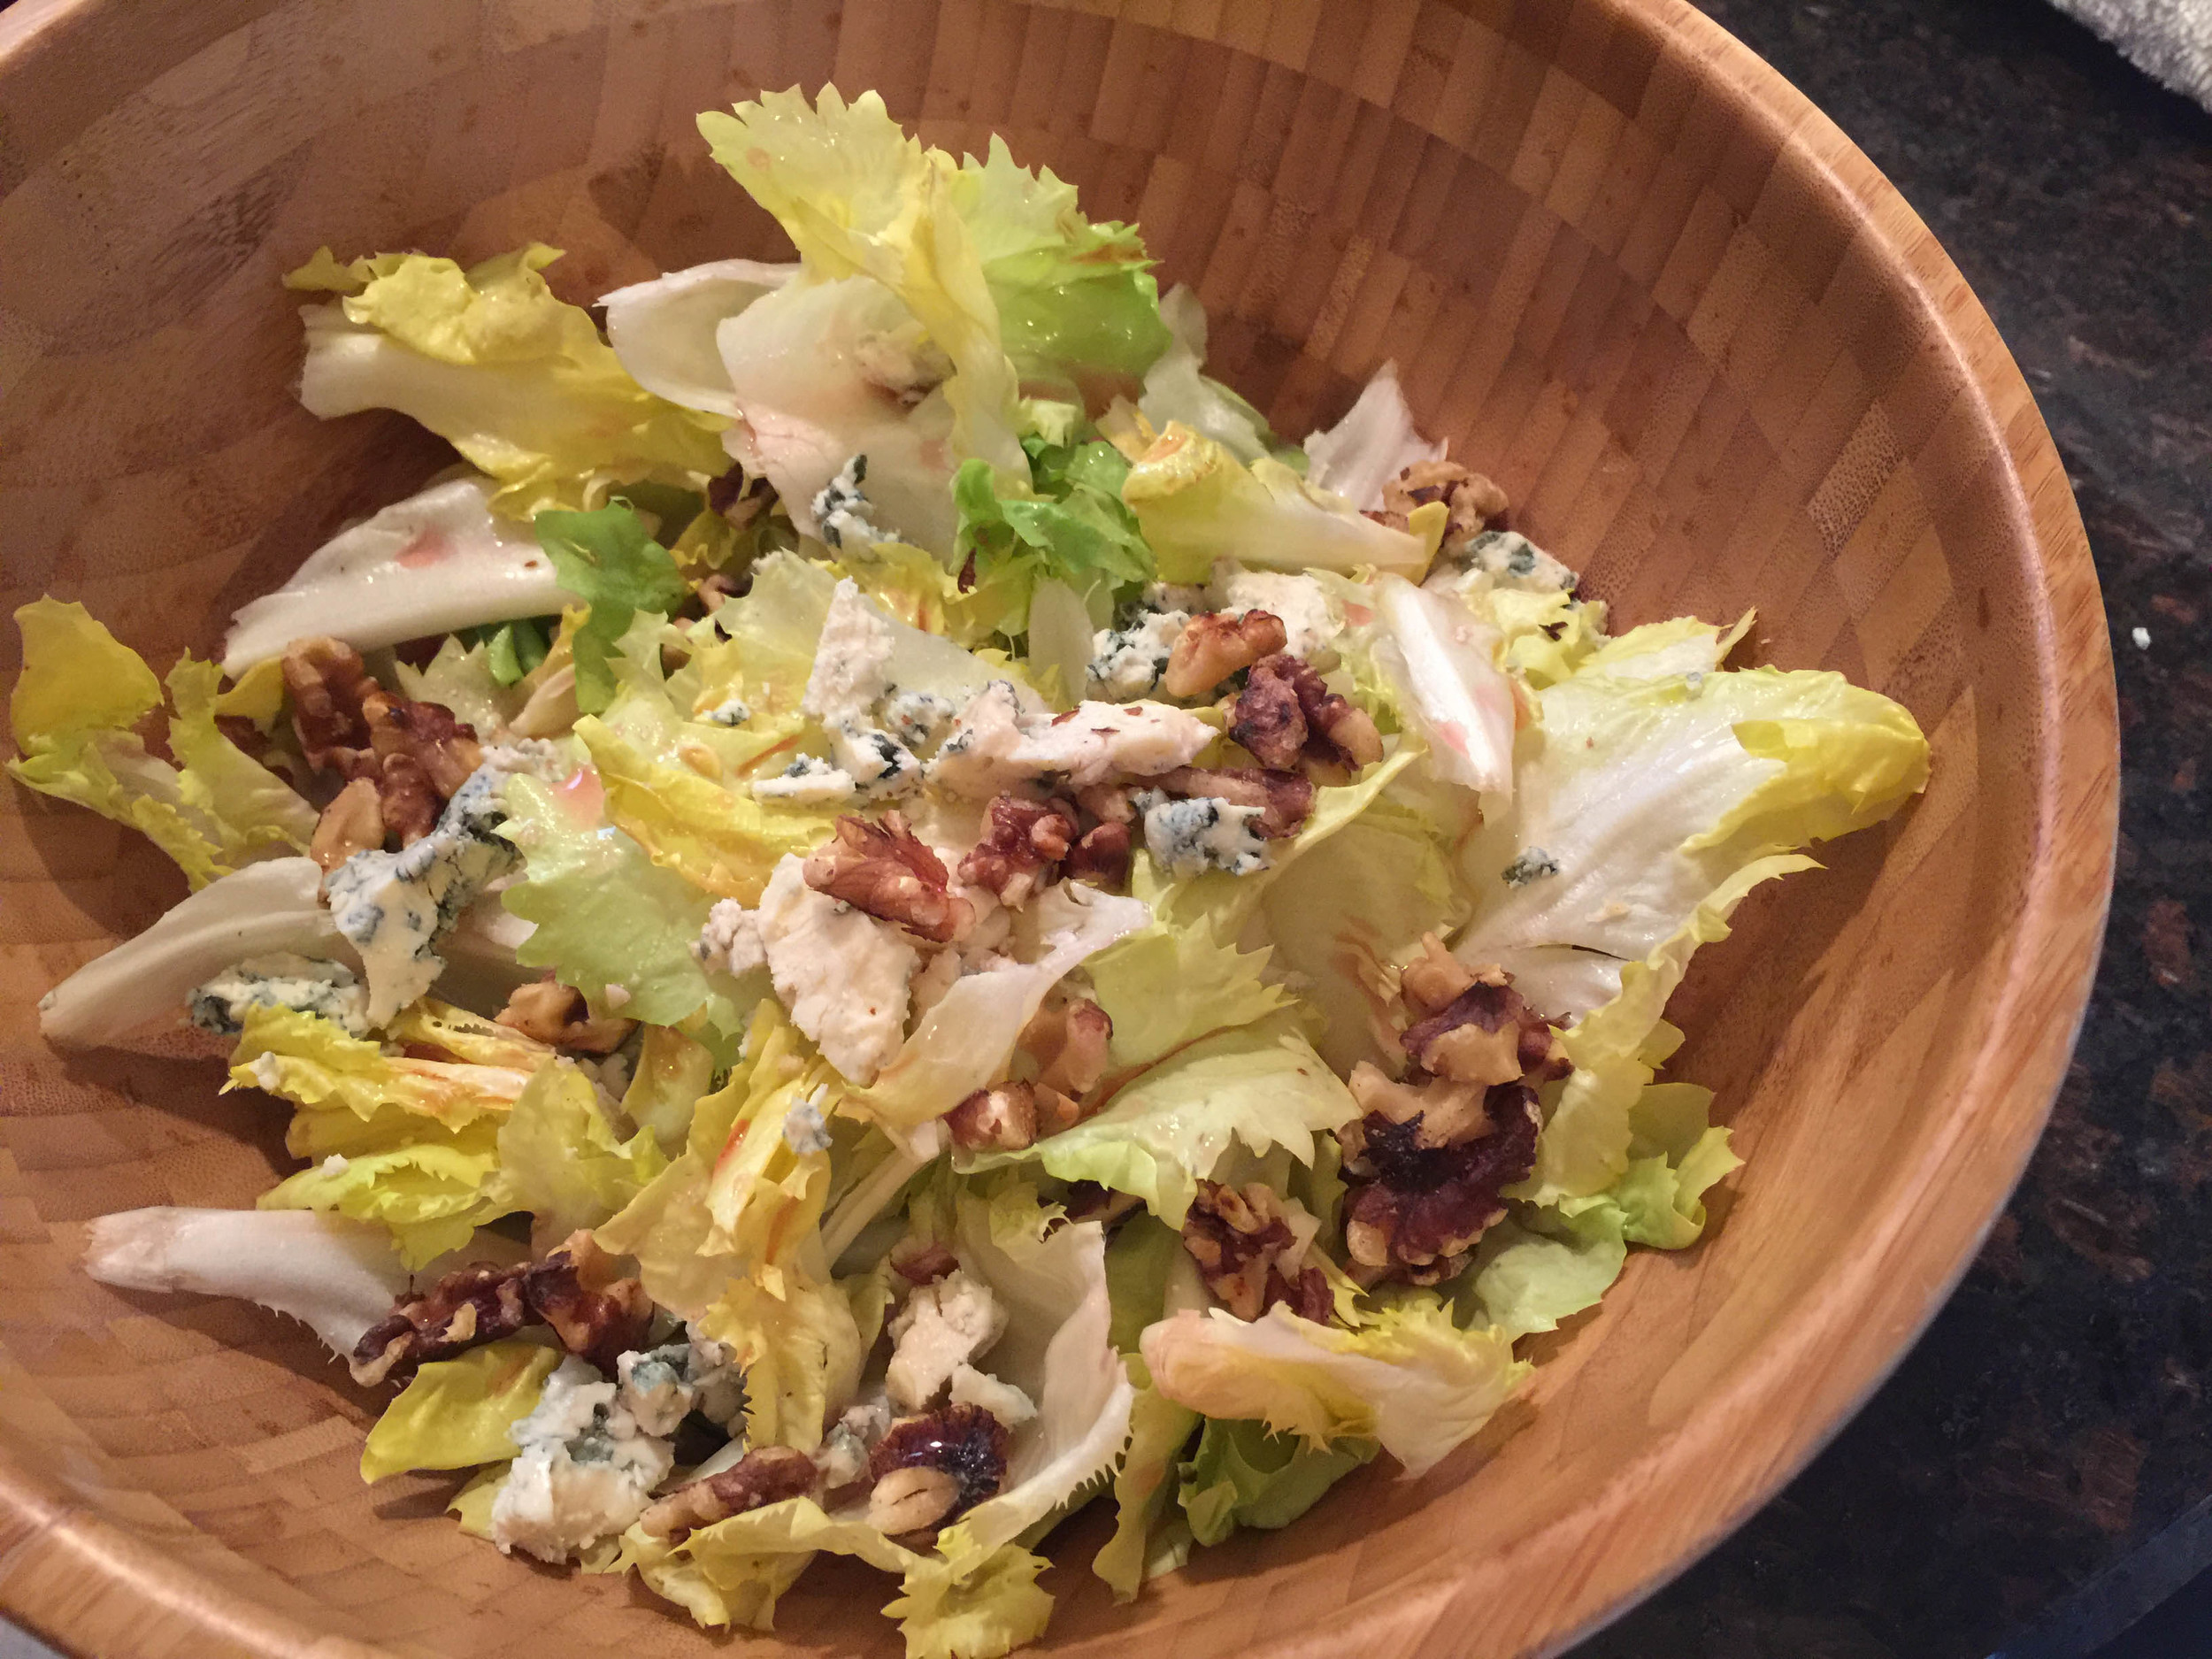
(884, 917)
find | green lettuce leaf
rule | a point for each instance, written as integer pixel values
(1412, 1380)
(793, 1331)
(518, 381)
(1075, 299)
(605, 913)
(1242, 1476)
(606, 559)
(433, 1193)
(987, 1611)
(72, 712)
(456, 1413)
(1160, 1134)
(559, 1158)
(1075, 530)
(732, 1572)
(1196, 503)
(1159, 1429)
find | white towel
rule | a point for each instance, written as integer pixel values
(2172, 39)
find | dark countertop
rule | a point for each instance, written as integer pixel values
(2057, 1417)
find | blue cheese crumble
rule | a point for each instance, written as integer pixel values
(804, 1131)
(919, 718)
(731, 711)
(1127, 661)
(660, 1387)
(394, 907)
(281, 980)
(1533, 864)
(585, 1470)
(840, 509)
(1512, 560)
(809, 780)
(877, 762)
(1311, 619)
(1189, 837)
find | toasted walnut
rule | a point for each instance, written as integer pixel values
(884, 869)
(767, 1475)
(1413, 1212)
(1475, 502)
(1487, 1033)
(922, 1261)
(1003, 1116)
(557, 1015)
(1431, 980)
(1069, 1044)
(1108, 802)
(929, 1471)
(415, 754)
(1213, 645)
(1288, 718)
(1242, 1242)
(352, 823)
(598, 1317)
(1284, 798)
(1023, 844)
(468, 1306)
(1447, 1112)
(1102, 856)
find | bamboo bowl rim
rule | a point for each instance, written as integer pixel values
(80, 1580)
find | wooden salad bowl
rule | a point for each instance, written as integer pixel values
(1627, 269)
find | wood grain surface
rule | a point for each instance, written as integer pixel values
(1715, 358)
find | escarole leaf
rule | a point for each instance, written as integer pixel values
(1412, 1379)
(1165, 985)
(1196, 503)
(560, 1159)
(1638, 798)
(72, 712)
(606, 914)
(489, 359)
(456, 1413)
(1077, 532)
(1160, 1134)
(988, 1610)
(1241, 1475)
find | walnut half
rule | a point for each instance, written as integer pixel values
(766, 1475)
(415, 754)
(1289, 718)
(557, 1015)
(884, 869)
(1213, 645)
(1248, 1254)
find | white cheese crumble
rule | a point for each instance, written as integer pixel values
(586, 1469)
(852, 659)
(730, 941)
(2142, 638)
(281, 980)
(840, 972)
(841, 509)
(1009, 1404)
(660, 1387)
(1126, 662)
(1532, 863)
(1311, 618)
(730, 711)
(1187, 838)
(995, 747)
(943, 1327)
(1512, 561)
(809, 780)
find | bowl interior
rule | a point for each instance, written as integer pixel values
(1714, 360)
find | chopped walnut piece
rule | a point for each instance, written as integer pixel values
(1215, 645)
(1413, 1212)
(1003, 1116)
(415, 754)
(1287, 716)
(1069, 1044)
(1242, 1242)
(1284, 798)
(598, 1316)
(884, 869)
(1308, 1296)
(931, 1470)
(1431, 980)
(352, 823)
(1102, 856)
(1487, 1033)
(1023, 844)
(558, 1015)
(768, 1474)
(1447, 1111)
(1475, 502)
(470, 1305)
(922, 1261)
(1108, 802)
